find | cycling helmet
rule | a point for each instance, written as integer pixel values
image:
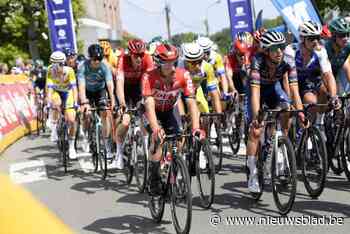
(246, 37)
(57, 57)
(258, 33)
(136, 46)
(205, 43)
(106, 46)
(339, 25)
(240, 47)
(310, 28)
(81, 58)
(325, 32)
(95, 51)
(69, 52)
(165, 53)
(271, 38)
(192, 51)
(39, 63)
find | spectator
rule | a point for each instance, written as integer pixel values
(28, 67)
(4, 69)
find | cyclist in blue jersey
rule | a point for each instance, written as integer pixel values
(94, 79)
(338, 49)
(267, 86)
(315, 77)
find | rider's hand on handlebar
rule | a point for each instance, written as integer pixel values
(198, 133)
(335, 102)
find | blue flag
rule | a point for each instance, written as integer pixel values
(259, 20)
(240, 16)
(295, 12)
(60, 16)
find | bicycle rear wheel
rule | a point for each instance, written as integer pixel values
(313, 154)
(234, 135)
(181, 196)
(64, 146)
(156, 206)
(216, 145)
(283, 174)
(102, 152)
(346, 153)
(205, 174)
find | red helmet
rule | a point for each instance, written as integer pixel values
(136, 46)
(240, 47)
(165, 53)
(326, 33)
(258, 33)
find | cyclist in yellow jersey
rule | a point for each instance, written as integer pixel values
(110, 57)
(216, 61)
(202, 75)
(62, 89)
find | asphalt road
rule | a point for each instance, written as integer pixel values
(89, 205)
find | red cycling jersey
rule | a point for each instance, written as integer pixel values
(231, 62)
(127, 72)
(166, 95)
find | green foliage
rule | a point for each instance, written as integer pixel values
(325, 5)
(178, 39)
(9, 58)
(271, 23)
(223, 40)
(23, 21)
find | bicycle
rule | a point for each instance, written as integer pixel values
(199, 161)
(218, 120)
(135, 156)
(97, 141)
(176, 186)
(41, 113)
(278, 158)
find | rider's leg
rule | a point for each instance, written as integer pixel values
(56, 102)
(122, 128)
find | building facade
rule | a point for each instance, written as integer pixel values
(101, 21)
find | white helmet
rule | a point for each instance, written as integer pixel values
(192, 51)
(205, 43)
(271, 38)
(57, 57)
(310, 28)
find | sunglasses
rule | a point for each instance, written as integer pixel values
(312, 38)
(59, 64)
(275, 48)
(138, 55)
(342, 35)
(194, 63)
(96, 59)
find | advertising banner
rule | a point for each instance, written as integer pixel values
(240, 12)
(60, 16)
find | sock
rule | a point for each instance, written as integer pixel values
(108, 145)
(71, 143)
(119, 150)
(251, 164)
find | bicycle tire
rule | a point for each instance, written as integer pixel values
(277, 182)
(141, 159)
(206, 199)
(179, 165)
(64, 146)
(346, 153)
(157, 214)
(218, 143)
(235, 136)
(102, 152)
(321, 154)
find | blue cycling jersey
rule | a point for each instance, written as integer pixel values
(94, 79)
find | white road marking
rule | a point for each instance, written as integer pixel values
(28, 171)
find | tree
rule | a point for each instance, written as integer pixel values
(324, 6)
(180, 38)
(223, 40)
(22, 23)
(271, 23)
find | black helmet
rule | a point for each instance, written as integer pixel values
(95, 51)
(81, 58)
(69, 52)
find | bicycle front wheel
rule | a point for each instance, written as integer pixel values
(346, 153)
(313, 155)
(181, 196)
(140, 166)
(284, 175)
(205, 172)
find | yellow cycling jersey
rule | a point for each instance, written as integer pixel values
(62, 83)
(206, 74)
(113, 58)
(215, 59)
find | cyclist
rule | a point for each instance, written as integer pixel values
(203, 77)
(71, 59)
(237, 64)
(161, 88)
(315, 77)
(132, 64)
(62, 91)
(110, 57)
(39, 76)
(215, 60)
(94, 79)
(266, 86)
(338, 49)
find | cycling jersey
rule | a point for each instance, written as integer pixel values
(309, 75)
(63, 83)
(94, 79)
(337, 56)
(127, 72)
(239, 73)
(165, 95)
(40, 77)
(215, 60)
(112, 59)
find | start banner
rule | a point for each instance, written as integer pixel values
(17, 111)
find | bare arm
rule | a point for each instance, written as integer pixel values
(151, 113)
(194, 112)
